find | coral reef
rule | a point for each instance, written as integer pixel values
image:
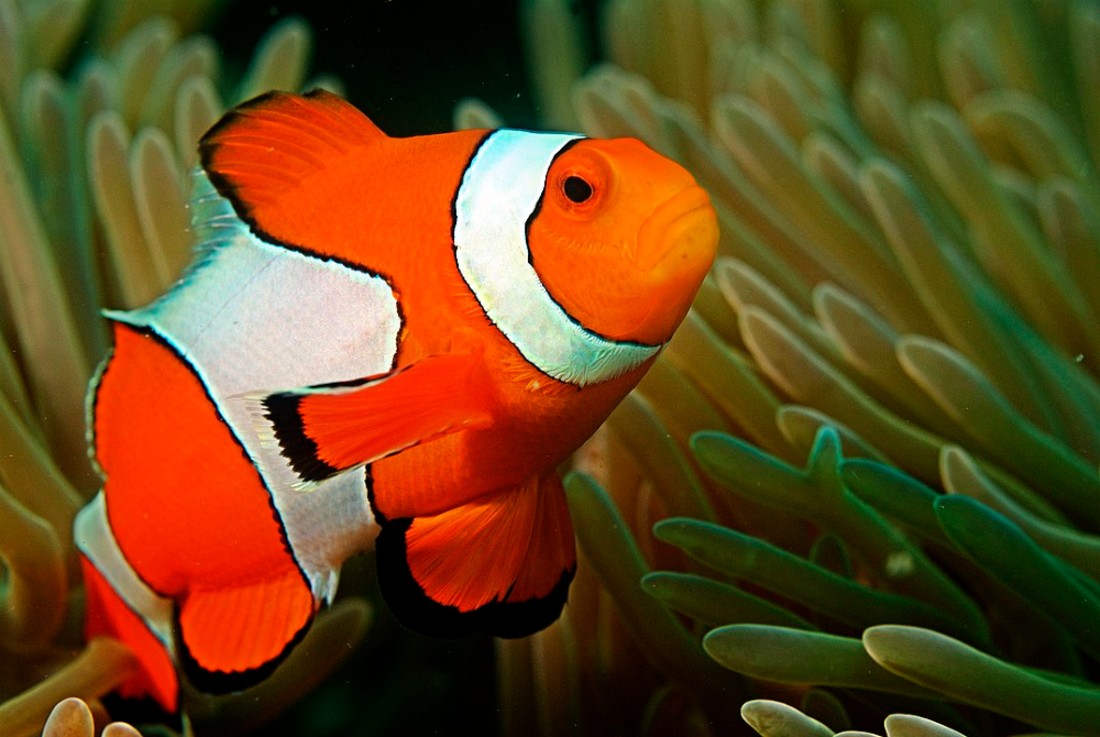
(862, 479)
(101, 106)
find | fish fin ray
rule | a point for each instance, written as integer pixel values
(260, 152)
(500, 565)
(234, 637)
(322, 431)
(214, 222)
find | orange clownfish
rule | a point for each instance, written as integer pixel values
(387, 342)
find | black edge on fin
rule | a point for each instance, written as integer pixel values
(220, 682)
(300, 450)
(417, 611)
(207, 148)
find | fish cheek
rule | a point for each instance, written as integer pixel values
(585, 268)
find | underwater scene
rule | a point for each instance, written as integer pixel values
(793, 413)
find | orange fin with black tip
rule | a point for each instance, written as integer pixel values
(500, 565)
(325, 430)
(262, 153)
(232, 638)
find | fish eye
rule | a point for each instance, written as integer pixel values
(576, 189)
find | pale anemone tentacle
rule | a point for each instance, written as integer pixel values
(102, 666)
(32, 596)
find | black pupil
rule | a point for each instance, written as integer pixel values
(576, 189)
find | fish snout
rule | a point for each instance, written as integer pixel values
(675, 249)
(679, 238)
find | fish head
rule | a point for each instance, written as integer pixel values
(622, 239)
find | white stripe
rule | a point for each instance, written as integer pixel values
(94, 538)
(252, 317)
(500, 190)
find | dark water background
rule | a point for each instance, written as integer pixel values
(406, 63)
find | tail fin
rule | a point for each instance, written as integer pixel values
(121, 606)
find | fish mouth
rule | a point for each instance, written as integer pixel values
(679, 234)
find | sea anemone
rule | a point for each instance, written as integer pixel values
(100, 112)
(859, 485)
(862, 479)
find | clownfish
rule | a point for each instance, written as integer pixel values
(382, 342)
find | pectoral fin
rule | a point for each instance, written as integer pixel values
(325, 430)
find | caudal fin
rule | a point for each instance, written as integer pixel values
(108, 615)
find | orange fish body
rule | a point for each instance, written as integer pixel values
(388, 342)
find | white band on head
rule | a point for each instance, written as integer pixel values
(501, 188)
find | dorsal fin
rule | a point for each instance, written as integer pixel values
(260, 153)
